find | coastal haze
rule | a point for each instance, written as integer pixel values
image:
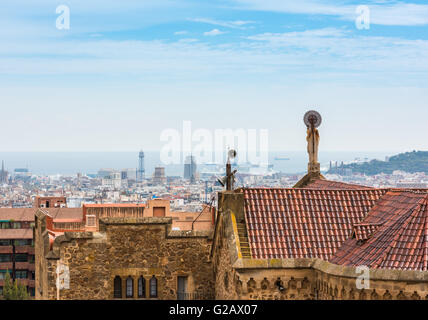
(71, 163)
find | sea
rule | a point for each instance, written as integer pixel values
(71, 163)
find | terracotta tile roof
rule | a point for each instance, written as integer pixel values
(399, 240)
(65, 214)
(28, 214)
(18, 214)
(114, 205)
(334, 185)
(363, 231)
(303, 223)
(9, 234)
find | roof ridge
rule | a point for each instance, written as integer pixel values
(407, 217)
(309, 189)
(369, 224)
(363, 188)
(414, 191)
(425, 266)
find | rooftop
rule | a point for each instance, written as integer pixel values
(7, 234)
(17, 214)
(303, 223)
(114, 205)
(392, 236)
(323, 184)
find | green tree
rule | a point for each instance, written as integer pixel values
(15, 290)
(7, 286)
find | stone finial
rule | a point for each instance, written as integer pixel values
(312, 120)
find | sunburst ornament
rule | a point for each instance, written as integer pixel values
(312, 119)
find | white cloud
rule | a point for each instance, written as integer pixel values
(188, 40)
(241, 23)
(401, 14)
(213, 32)
(238, 24)
(336, 44)
(395, 13)
(321, 53)
(178, 33)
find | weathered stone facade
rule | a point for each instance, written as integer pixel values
(124, 247)
(315, 279)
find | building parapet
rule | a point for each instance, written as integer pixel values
(69, 236)
(66, 237)
(331, 269)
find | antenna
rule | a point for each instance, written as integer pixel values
(229, 178)
(231, 154)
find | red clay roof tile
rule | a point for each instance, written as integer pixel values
(322, 184)
(399, 240)
(310, 222)
(16, 234)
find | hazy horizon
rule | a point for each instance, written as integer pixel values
(51, 163)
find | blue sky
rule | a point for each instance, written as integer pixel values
(126, 70)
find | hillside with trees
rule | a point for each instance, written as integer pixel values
(416, 161)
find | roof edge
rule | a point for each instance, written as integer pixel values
(331, 269)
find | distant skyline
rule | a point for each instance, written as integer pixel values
(70, 163)
(127, 70)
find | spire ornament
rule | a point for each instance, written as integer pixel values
(312, 120)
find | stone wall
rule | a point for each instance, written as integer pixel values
(339, 283)
(224, 250)
(315, 279)
(127, 247)
(41, 247)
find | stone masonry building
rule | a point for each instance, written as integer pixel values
(137, 258)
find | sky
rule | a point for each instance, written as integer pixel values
(126, 71)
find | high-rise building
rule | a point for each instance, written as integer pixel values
(22, 172)
(17, 247)
(102, 173)
(131, 174)
(3, 173)
(159, 176)
(141, 172)
(190, 169)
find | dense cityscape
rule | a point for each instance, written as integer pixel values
(186, 193)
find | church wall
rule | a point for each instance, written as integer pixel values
(225, 275)
(314, 279)
(132, 248)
